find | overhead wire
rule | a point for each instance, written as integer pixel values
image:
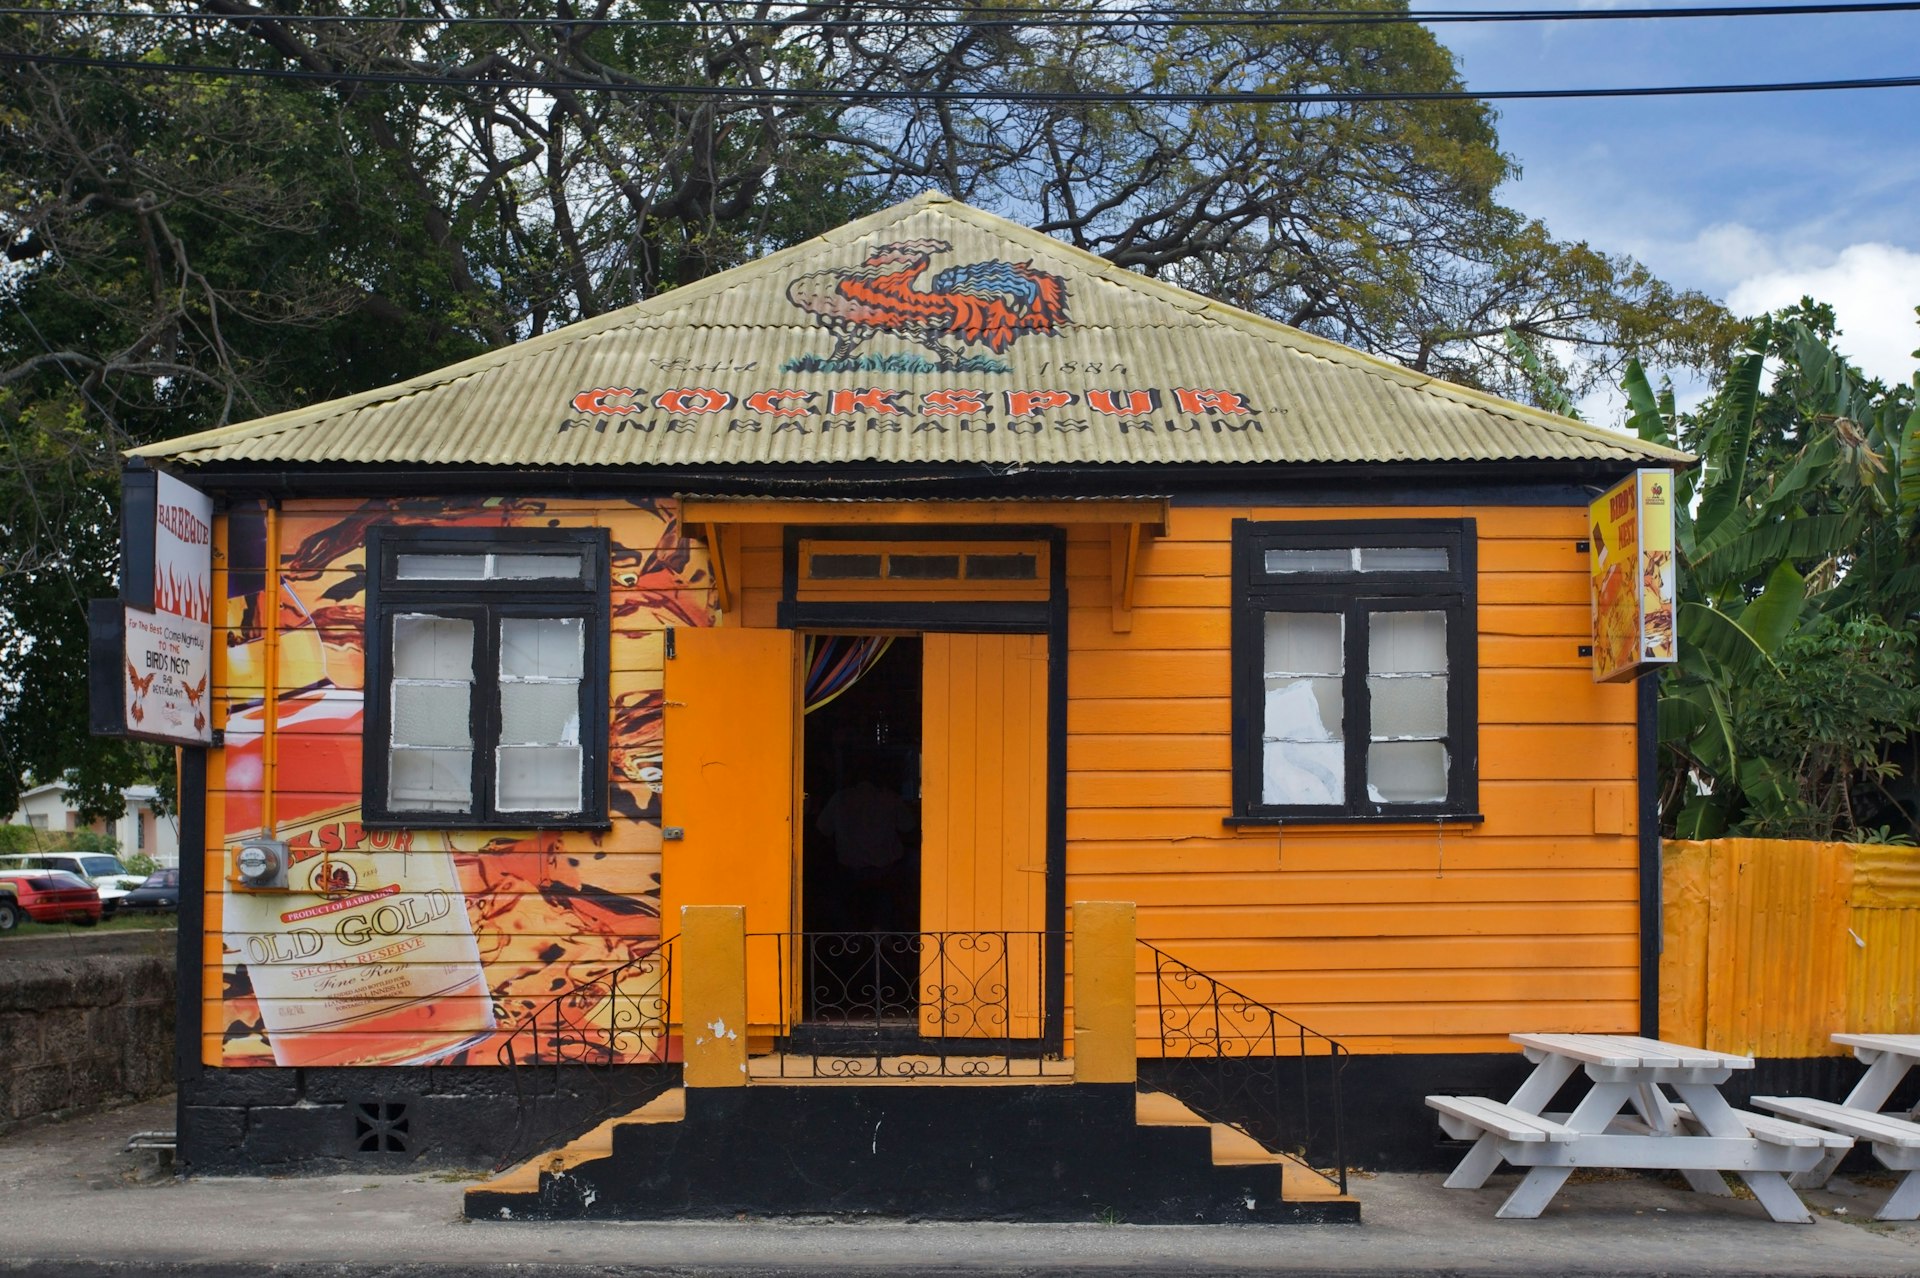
(758, 93)
(998, 15)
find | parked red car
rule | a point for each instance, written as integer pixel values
(47, 896)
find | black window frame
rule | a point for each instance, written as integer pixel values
(486, 603)
(1354, 595)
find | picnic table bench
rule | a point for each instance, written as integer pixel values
(1894, 1138)
(1700, 1135)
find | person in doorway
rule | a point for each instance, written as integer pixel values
(870, 824)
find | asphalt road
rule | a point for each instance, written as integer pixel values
(73, 1203)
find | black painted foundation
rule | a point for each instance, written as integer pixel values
(1386, 1125)
(263, 1120)
(250, 1121)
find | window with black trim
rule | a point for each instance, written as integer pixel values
(487, 676)
(1354, 652)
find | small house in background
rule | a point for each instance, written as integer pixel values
(862, 610)
(141, 830)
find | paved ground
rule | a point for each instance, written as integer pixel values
(72, 1203)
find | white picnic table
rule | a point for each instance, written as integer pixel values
(1698, 1134)
(1894, 1137)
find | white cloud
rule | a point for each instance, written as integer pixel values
(1872, 288)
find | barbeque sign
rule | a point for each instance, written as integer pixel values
(168, 654)
(1631, 557)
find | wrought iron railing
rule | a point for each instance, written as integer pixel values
(907, 1004)
(1234, 1060)
(619, 1017)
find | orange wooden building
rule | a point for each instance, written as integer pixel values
(903, 588)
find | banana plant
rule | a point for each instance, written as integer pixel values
(1764, 550)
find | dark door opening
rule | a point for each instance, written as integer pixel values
(860, 848)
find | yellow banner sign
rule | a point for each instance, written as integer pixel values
(1634, 595)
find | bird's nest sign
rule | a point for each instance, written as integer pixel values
(885, 319)
(153, 646)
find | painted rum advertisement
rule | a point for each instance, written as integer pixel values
(1634, 586)
(424, 946)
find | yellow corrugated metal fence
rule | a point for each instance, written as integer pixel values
(1773, 946)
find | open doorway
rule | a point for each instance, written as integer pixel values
(860, 846)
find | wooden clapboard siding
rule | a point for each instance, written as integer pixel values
(760, 569)
(544, 908)
(1286, 887)
(1240, 961)
(1413, 851)
(1401, 937)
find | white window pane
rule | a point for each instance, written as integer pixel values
(432, 647)
(1304, 710)
(431, 714)
(541, 648)
(534, 567)
(1407, 643)
(1407, 772)
(1403, 559)
(440, 567)
(539, 779)
(540, 713)
(1302, 559)
(430, 780)
(1303, 772)
(1411, 706)
(1304, 643)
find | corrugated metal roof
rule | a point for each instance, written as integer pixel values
(1125, 369)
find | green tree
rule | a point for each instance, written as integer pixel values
(188, 250)
(1797, 539)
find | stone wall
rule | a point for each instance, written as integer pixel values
(77, 1032)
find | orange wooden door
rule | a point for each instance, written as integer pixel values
(984, 836)
(732, 704)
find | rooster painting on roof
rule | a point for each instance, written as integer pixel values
(988, 304)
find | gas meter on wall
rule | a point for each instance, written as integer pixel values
(260, 865)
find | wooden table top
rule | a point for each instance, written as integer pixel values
(1624, 1051)
(1899, 1044)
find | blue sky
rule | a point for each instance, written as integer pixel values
(1754, 199)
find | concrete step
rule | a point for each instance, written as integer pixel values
(524, 1178)
(645, 1165)
(911, 1070)
(1234, 1148)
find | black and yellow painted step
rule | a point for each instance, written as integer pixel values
(942, 1149)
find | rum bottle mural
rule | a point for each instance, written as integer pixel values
(369, 958)
(419, 946)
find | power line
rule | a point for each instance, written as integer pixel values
(1006, 16)
(1251, 97)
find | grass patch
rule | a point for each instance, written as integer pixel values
(139, 922)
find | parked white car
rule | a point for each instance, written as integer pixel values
(102, 869)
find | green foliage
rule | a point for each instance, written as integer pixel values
(25, 838)
(1819, 734)
(1797, 693)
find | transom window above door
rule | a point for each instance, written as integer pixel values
(835, 569)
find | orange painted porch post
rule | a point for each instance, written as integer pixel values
(1103, 992)
(713, 994)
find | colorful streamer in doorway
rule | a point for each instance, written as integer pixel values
(837, 662)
